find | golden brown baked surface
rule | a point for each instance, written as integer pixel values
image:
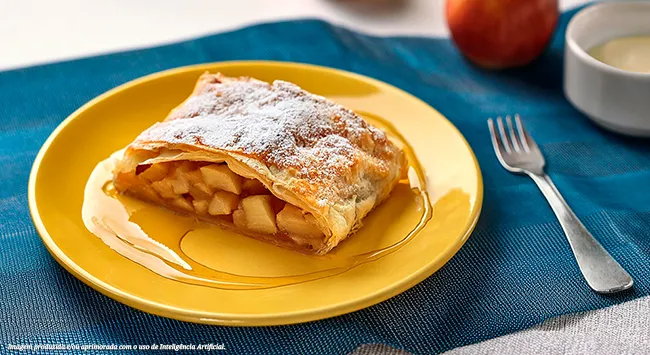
(306, 150)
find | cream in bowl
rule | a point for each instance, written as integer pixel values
(626, 53)
(607, 65)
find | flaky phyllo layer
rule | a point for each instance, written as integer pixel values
(270, 161)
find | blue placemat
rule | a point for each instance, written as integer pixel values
(515, 271)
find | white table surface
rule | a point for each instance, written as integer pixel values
(39, 31)
(35, 32)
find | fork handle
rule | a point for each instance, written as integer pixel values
(600, 270)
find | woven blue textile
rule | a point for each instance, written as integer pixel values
(515, 271)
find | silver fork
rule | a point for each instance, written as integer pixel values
(518, 153)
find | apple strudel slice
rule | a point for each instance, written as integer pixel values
(270, 161)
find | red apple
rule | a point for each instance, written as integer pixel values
(500, 34)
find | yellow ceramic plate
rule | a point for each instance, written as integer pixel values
(115, 118)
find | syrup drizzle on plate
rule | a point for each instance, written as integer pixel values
(184, 249)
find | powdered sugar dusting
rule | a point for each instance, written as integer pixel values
(316, 140)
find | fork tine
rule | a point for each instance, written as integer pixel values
(527, 141)
(523, 135)
(504, 137)
(513, 136)
(496, 141)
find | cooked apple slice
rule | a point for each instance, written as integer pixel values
(253, 187)
(220, 177)
(182, 204)
(164, 188)
(185, 166)
(187, 171)
(200, 191)
(200, 206)
(310, 219)
(146, 192)
(259, 213)
(155, 172)
(292, 220)
(127, 181)
(239, 219)
(180, 186)
(223, 203)
(193, 177)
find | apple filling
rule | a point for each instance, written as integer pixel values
(215, 193)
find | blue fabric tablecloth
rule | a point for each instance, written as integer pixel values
(515, 271)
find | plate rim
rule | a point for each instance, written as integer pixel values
(230, 319)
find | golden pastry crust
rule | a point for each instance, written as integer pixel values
(306, 150)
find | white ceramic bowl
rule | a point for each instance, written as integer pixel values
(613, 98)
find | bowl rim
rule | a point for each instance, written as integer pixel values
(582, 54)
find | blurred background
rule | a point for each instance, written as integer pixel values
(40, 31)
